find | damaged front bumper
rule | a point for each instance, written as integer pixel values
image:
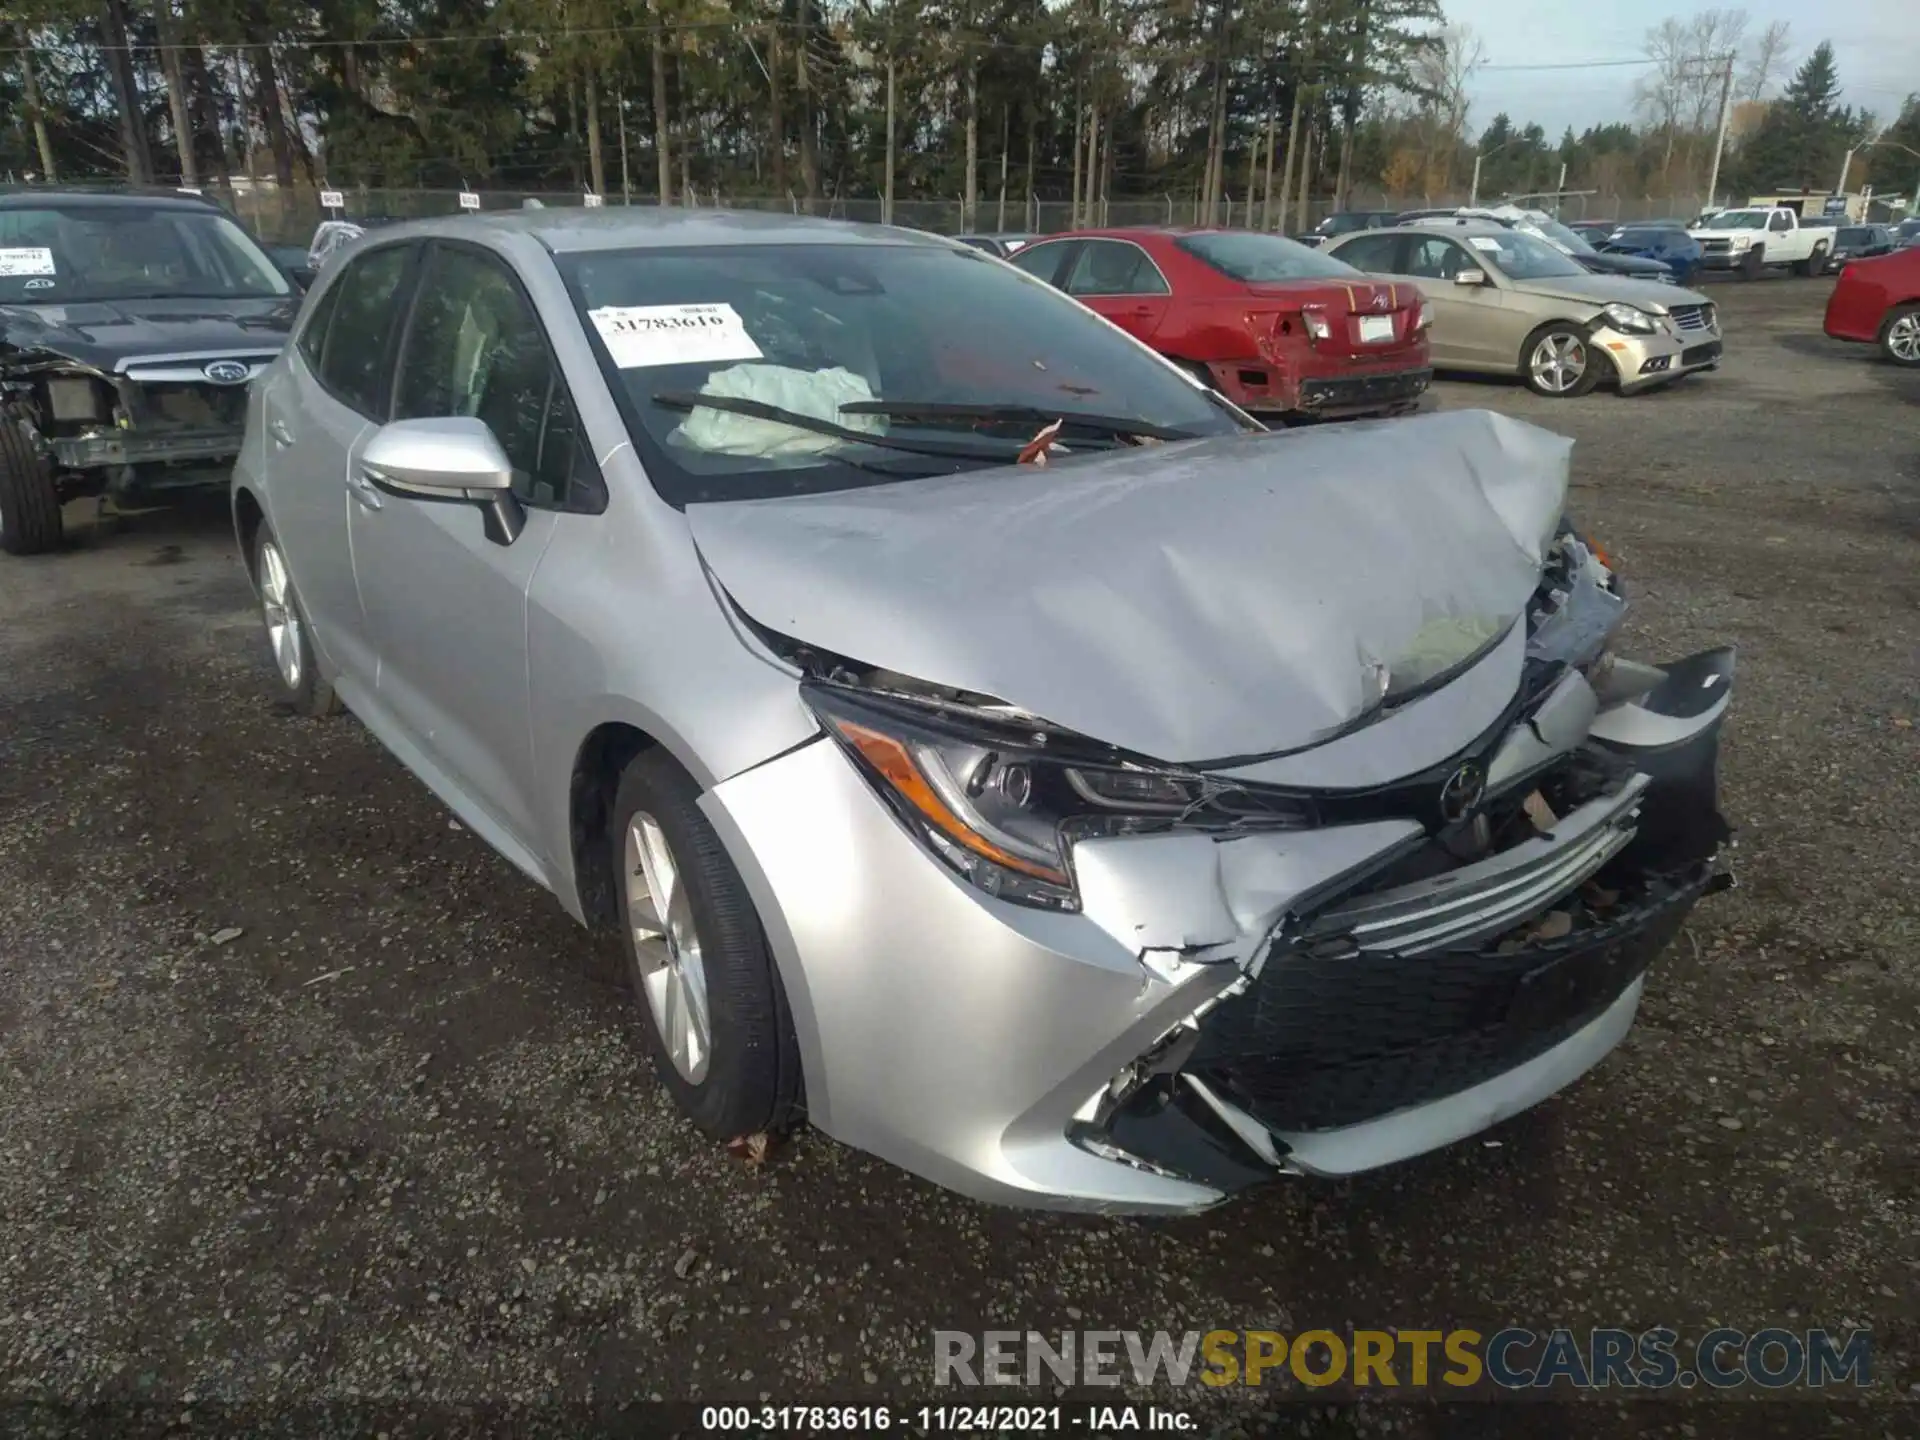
(1224, 1009)
(217, 445)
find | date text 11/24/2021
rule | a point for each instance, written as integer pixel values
(1090, 1419)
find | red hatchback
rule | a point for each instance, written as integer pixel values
(1276, 327)
(1877, 302)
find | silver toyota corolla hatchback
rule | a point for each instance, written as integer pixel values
(993, 748)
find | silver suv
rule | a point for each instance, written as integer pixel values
(991, 745)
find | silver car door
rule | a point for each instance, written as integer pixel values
(447, 606)
(316, 408)
(1469, 322)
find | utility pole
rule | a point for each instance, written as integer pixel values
(1473, 195)
(1720, 141)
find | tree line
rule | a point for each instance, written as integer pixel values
(1275, 101)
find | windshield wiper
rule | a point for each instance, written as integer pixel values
(740, 405)
(1115, 425)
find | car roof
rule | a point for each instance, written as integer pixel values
(576, 230)
(27, 196)
(1470, 225)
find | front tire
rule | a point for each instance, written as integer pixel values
(1559, 362)
(30, 521)
(297, 682)
(1753, 263)
(1900, 336)
(713, 1013)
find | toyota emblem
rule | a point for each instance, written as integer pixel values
(1462, 793)
(226, 372)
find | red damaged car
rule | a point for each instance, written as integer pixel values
(1877, 302)
(1276, 327)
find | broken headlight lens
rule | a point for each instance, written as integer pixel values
(1003, 806)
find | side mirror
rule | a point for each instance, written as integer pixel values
(455, 458)
(1471, 277)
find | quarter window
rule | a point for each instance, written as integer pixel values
(475, 348)
(353, 356)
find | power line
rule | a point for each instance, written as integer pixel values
(1567, 65)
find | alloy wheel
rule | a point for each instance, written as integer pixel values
(1903, 338)
(666, 948)
(1558, 362)
(277, 608)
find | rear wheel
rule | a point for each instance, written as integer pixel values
(29, 501)
(713, 1012)
(1816, 263)
(1558, 361)
(1900, 336)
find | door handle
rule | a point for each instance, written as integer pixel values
(365, 491)
(282, 436)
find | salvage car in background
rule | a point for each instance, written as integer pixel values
(986, 743)
(1275, 326)
(1345, 222)
(1859, 242)
(1507, 303)
(130, 325)
(1668, 244)
(1877, 302)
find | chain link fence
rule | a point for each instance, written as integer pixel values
(289, 216)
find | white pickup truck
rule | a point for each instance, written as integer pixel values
(1751, 240)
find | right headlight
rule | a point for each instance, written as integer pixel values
(1630, 320)
(1002, 806)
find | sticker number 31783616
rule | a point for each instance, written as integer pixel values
(643, 336)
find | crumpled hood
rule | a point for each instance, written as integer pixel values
(103, 333)
(1199, 601)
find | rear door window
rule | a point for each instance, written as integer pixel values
(1043, 261)
(1114, 267)
(356, 355)
(1370, 252)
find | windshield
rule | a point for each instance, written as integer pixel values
(1257, 259)
(1854, 235)
(1520, 256)
(839, 332)
(65, 254)
(1739, 220)
(1560, 235)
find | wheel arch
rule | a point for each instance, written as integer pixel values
(248, 516)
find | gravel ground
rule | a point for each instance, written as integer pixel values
(312, 1099)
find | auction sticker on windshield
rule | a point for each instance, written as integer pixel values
(643, 336)
(1484, 242)
(28, 260)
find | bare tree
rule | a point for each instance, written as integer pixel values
(1442, 73)
(1766, 61)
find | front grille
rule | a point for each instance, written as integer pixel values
(1716, 247)
(201, 406)
(1691, 317)
(1490, 895)
(1700, 354)
(1321, 1041)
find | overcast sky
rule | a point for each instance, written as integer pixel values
(1876, 44)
